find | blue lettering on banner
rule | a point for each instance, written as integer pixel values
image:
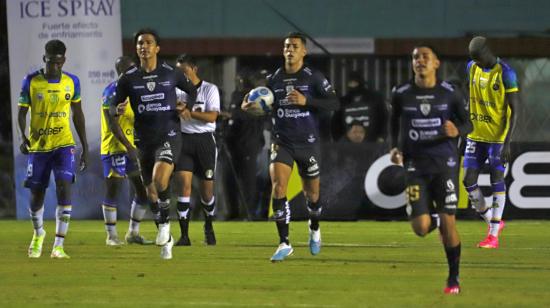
(64, 8)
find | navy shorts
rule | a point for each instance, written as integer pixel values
(118, 166)
(307, 159)
(40, 165)
(477, 153)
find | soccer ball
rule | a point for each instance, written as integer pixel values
(262, 99)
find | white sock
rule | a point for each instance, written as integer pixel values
(477, 199)
(37, 219)
(487, 215)
(137, 213)
(62, 219)
(109, 216)
(499, 201)
(184, 214)
(208, 206)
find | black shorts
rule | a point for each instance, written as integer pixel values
(168, 150)
(428, 193)
(307, 159)
(198, 155)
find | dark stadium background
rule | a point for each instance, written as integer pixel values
(246, 34)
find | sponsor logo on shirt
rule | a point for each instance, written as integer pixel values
(431, 122)
(152, 97)
(153, 107)
(49, 131)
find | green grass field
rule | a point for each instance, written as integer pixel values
(367, 264)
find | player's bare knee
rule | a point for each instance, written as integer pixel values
(420, 230)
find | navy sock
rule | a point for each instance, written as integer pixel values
(282, 219)
(314, 214)
(453, 259)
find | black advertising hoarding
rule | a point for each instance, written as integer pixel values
(359, 182)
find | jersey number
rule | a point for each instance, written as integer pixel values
(470, 147)
(413, 193)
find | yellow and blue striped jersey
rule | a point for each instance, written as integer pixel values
(49, 102)
(109, 143)
(489, 111)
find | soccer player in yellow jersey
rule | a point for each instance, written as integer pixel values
(494, 103)
(50, 94)
(117, 166)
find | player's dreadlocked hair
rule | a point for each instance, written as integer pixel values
(55, 47)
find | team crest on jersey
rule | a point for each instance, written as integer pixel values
(425, 108)
(150, 85)
(40, 96)
(67, 96)
(289, 88)
(496, 87)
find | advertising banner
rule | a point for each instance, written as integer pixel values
(91, 30)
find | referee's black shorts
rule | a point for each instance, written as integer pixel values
(198, 155)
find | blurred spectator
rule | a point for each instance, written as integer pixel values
(244, 139)
(362, 105)
(355, 133)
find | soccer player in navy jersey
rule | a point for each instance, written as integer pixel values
(151, 88)
(300, 94)
(117, 166)
(428, 117)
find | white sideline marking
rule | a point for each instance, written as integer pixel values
(250, 305)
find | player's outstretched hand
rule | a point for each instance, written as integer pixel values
(450, 129)
(83, 160)
(396, 156)
(296, 98)
(24, 147)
